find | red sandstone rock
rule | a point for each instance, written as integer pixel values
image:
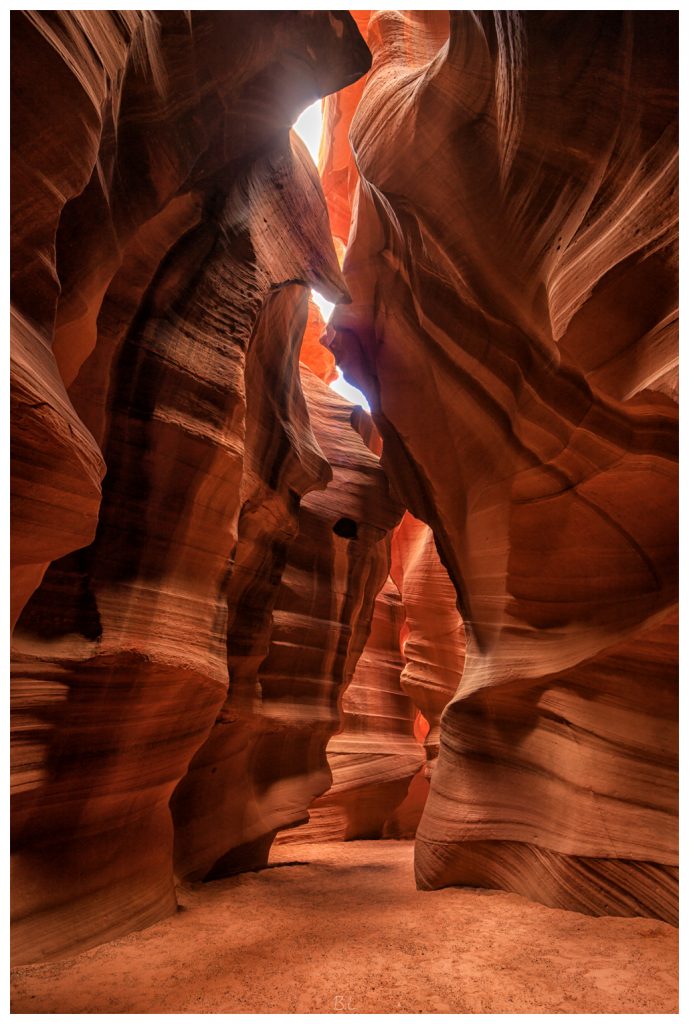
(375, 755)
(264, 760)
(316, 356)
(190, 210)
(114, 116)
(186, 633)
(433, 640)
(592, 749)
(512, 264)
(378, 787)
(336, 163)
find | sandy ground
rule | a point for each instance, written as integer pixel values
(341, 928)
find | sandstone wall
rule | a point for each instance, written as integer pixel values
(375, 755)
(512, 261)
(166, 229)
(265, 758)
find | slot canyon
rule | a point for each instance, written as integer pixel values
(324, 705)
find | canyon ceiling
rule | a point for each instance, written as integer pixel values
(245, 610)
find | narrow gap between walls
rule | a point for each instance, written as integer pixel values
(309, 127)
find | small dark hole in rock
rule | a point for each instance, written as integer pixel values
(345, 528)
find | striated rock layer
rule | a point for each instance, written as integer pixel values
(336, 164)
(376, 754)
(166, 228)
(203, 534)
(264, 760)
(409, 670)
(512, 262)
(433, 641)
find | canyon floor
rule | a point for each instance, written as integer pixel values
(340, 928)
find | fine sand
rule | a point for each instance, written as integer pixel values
(340, 928)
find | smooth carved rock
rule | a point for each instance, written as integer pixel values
(375, 755)
(315, 355)
(409, 670)
(264, 761)
(336, 163)
(282, 460)
(192, 209)
(116, 118)
(592, 752)
(433, 641)
(337, 566)
(57, 466)
(512, 263)
(201, 527)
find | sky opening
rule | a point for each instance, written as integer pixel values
(309, 127)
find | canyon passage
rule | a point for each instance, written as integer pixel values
(399, 662)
